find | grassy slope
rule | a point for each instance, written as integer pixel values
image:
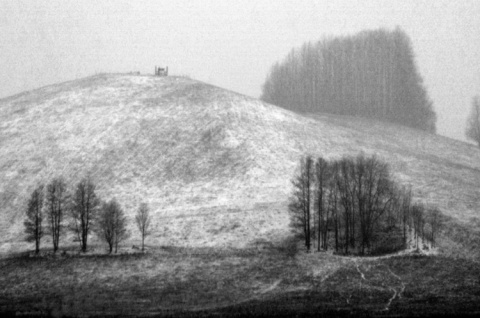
(213, 165)
(215, 168)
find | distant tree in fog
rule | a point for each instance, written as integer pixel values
(112, 224)
(372, 74)
(473, 121)
(143, 222)
(33, 223)
(85, 206)
(301, 200)
(56, 204)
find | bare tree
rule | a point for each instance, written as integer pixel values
(473, 121)
(365, 193)
(406, 209)
(33, 223)
(333, 201)
(435, 222)
(143, 222)
(322, 178)
(375, 195)
(346, 192)
(56, 204)
(106, 225)
(85, 206)
(112, 224)
(300, 202)
(418, 221)
(121, 232)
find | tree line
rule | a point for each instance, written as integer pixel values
(52, 209)
(354, 206)
(371, 74)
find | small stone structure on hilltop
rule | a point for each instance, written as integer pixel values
(159, 71)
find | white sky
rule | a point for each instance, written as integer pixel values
(231, 44)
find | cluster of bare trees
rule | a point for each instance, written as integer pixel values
(353, 205)
(80, 211)
(426, 223)
(371, 74)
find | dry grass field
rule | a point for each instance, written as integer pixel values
(215, 168)
(207, 282)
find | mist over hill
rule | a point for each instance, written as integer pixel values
(214, 166)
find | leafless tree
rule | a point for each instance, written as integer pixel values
(372, 195)
(346, 191)
(333, 201)
(106, 224)
(112, 224)
(56, 205)
(322, 179)
(143, 222)
(300, 202)
(473, 121)
(121, 232)
(418, 218)
(359, 199)
(85, 206)
(434, 220)
(406, 210)
(33, 222)
(366, 195)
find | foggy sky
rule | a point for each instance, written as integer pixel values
(232, 44)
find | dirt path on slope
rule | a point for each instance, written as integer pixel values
(378, 277)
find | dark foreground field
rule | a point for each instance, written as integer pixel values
(250, 282)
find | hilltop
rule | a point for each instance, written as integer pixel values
(214, 166)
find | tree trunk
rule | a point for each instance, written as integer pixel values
(319, 227)
(325, 240)
(82, 243)
(336, 233)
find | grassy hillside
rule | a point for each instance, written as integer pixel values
(214, 166)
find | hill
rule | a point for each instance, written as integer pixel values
(214, 166)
